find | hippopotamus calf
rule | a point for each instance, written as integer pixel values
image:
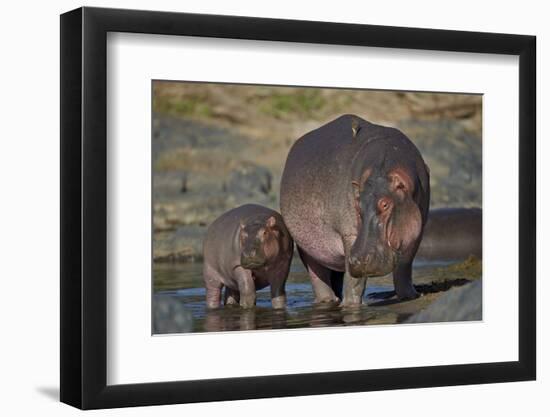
(355, 197)
(246, 249)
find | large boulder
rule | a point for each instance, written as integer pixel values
(182, 245)
(248, 179)
(458, 304)
(170, 315)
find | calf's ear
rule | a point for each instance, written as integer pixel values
(271, 221)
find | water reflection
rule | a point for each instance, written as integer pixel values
(183, 283)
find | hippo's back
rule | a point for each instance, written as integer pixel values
(316, 174)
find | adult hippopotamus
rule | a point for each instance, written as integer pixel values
(246, 249)
(452, 234)
(355, 197)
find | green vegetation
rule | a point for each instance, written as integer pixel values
(469, 269)
(182, 106)
(303, 102)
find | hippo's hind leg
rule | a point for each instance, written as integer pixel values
(213, 287)
(213, 294)
(337, 282)
(402, 282)
(278, 294)
(247, 288)
(231, 297)
(320, 279)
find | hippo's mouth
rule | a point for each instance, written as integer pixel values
(374, 265)
(252, 263)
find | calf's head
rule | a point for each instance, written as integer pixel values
(260, 242)
(389, 222)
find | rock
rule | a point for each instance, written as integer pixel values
(201, 207)
(170, 133)
(201, 171)
(170, 315)
(248, 179)
(183, 245)
(454, 158)
(458, 304)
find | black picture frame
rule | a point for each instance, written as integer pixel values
(84, 207)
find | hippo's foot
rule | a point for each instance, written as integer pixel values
(354, 288)
(248, 301)
(409, 294)
(350, 303)
(278, 302)
(327, 301)
(402, 282)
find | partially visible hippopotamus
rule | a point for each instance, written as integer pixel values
(452, 234)
(355, 197)
(246, 249)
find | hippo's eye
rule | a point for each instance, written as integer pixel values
(384, 204)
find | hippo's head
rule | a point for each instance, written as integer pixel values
(260, 242)
(389, 222)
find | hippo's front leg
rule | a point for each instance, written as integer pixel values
(402, 282)
(247, 289)
(354, 288)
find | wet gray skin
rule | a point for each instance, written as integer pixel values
(452, 233)
(246, 249)
(355, 198)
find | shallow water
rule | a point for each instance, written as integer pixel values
(181, 284)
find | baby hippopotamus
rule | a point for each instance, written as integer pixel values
(247, 249)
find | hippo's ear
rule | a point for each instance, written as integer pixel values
(400, 180)
(355, 127)
(271, 222)
(424, 187)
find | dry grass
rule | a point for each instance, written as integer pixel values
(282, 112)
